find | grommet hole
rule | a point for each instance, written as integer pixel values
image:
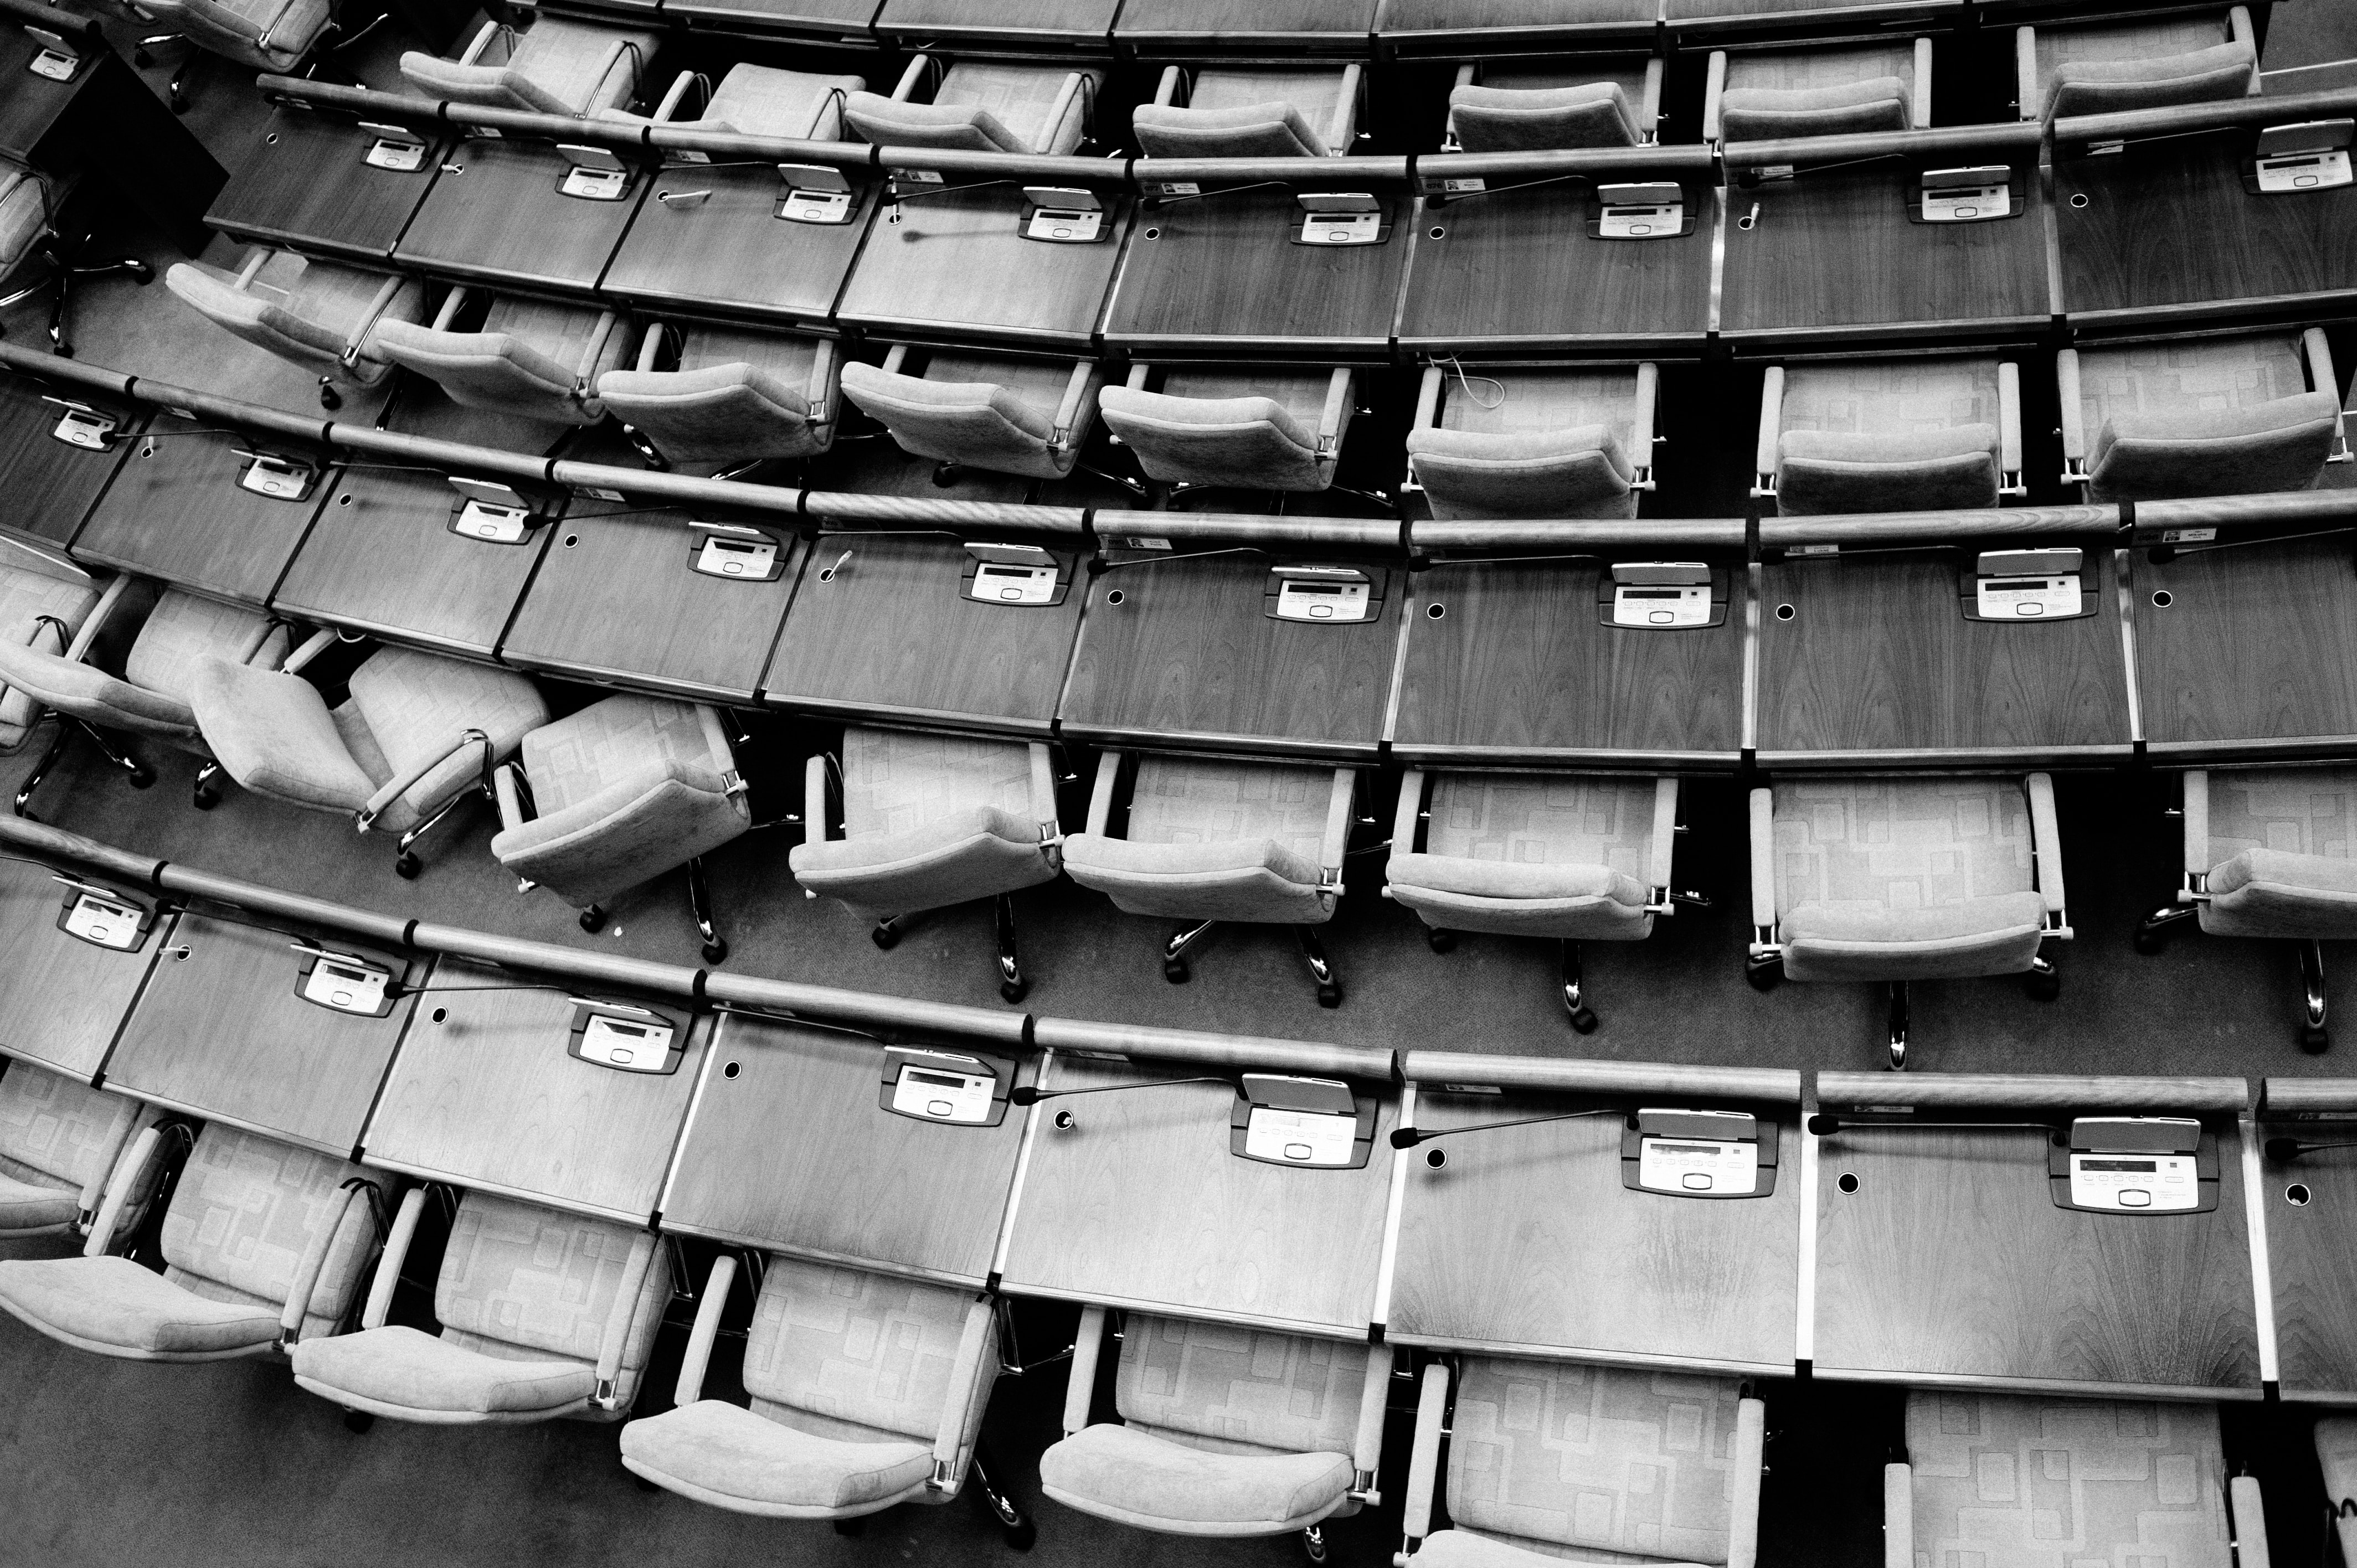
(2162, 598)
(2296, 1195)
(271, 140)
(730, 1069)
(1153, 233)
(441, 1015)
(2079, 199)
(1785, 612)
(1846, 1181)
(1440, 231)
(343, 500)
(1436, 612)
(1118, 597)
(570, 540)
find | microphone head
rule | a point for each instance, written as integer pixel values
(1023, 1094)
(1405, 1137)
(2283, 1151)
(1824, 1126)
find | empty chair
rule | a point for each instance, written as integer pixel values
(868, 1391)
(761, 100)
(553, 67)
(1208, 840)
(727, 396)
(528, 357)
(1528, 108)
(1894, 434)
(1900, 879)
(1522, 855)
(1553, 1460)
(543, 1315)
(2270, 853)
(400, 753)
(2202, 416)
(36, 251)
(927, 821)
(60, 1143)
(616, 794)
(1259, 430)
(1225, 1431)
(45, 601)
(2139, 1481)
(1234, 112)
(97, 685)
(1816, 91)
(321, 315)
(1027, 417)
(1503, 442)
(272, 37)
(264, 1247)
(2151, 64)
(981, 106)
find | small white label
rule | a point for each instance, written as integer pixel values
(1642, 222)
(401, 157)
(1300, 1137)
(493, 524)
(1342, 228)
(619, 1043)
(2304, 171)
(917, 176)
(1967, 204)
(753, 558)
(104, 922)
(686, 156)
(815, 207)
(280, 483)
(2009, 598)
(1815, 549)
(1299, 600)
(1065, 228)
(594, 184)
(940, 1096)
(2106, 149)
(1462, 186)
(997, 583)
(1147, 542)
(1669, 605)
(347, 988)
(1697, 1164)
(54, 66)
(604, 495)
(2155, 1183)
(1470, 1088)
(2188, 536)
(1774, 171)
(1178, 187)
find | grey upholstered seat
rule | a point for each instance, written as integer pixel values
(2200, 416)
(1554, 1461)
(1267, 430)
(534, 358)
(60, 1143)
(868, 1391)
(982, 106)
(1501, 441)
(1028, 418)
(43, 606)
(553, 67)
(543, 1315)
(1236, 112)
(2150, 63)
(1817, 90)
(1507, 108)
(321, 315)
(265, 35)
(732, 396)
(761, 101)
(1891, 435)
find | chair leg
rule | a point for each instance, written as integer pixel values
(2313, 1038)
(1011, 984)
(404, 860)
(2044, 982)
(1313, 952)
(1439, 940)
(133, 769)
(41, 770)
(207, 793)
(1174, 951)
(2152, 932)
(1372, 497)
(1583, 1017)
(887, 934)
(592, 918)
(1313, 1543)
(1016, 1525)
(1898, 1026)
(699, 900)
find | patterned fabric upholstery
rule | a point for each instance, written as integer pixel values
(930, 821)
(301, 309)
(763, 101)
(962, 410)
(982, 107)
(1251, 442)
(534, 358)
(1597, 1458)
(184, 630)
(28, 591)
(526, 1283)
(59, 1137)
(1239, 1391)
(1512, 119)
(2202, 416)
(1190, 800)
(579, 755)
(181, 632)
(1853, 435)
(415, 706)
(733, 397)
(2283, 854)
(268, 35)
(895, 781)
(2336, 1455)
(554, 68)
(245, 1210)
(23, 215)
(1899, 878)
(1547, 444)
(1215, 840)
(847, 1354)
(1524, 855)
(1234, 112)
(2010, 1482)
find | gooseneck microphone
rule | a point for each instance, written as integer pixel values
(1826, 1126)
(1028, 1094)
(2283, 1151)
(1409, 1137)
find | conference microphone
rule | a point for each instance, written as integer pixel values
(1824, 1126)
(1028, 1094)
(1409, 1137)
(2283, 1151)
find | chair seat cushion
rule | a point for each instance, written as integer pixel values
(1121, 1473)
(1521, 119)
(1915, 470)
(725, 1455)
(113, 1305)
(2114, 86)
(1472, 1549)
(405, 1372)
(1994, 934)
(958, 422)
(1514, 879)
(1579, 471)
(974, 853)
(963, 128)
(1521, 898)
(763, 101)
(1271, 130)
(720, 413)
(2280, 893)
(2280, 445)
(635, 828)
(1253, 442)
(86, 691)
(27, 1205)
(1248, 879)
(1762, 114)
(275, 735)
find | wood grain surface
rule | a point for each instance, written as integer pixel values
(1221, 270)
(830, 19)
(495, 214)
(2257, 643)
(62, 998)
(959, 264)
(1232, 24)
(177, 511)
(1517, 269)
(302, 181)
(51, 484)
(1399, 20)
(731, 252)
(2312, 1259)
(1085, 23)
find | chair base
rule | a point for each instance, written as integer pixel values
(2043, 982)
(1313, 953)
(1583, 1017)
(2152, 932)
(1012, 986)
(67, 261)
(207, 791)
(2152, 936)
(136, 773)
(1313, 1543)
(1898, 1025)
(1014, 1524)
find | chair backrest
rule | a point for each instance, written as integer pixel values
(245, 1210)
(263, 33)
(32, 588)
(2116, 86)
(521, 1281)
(1821, 471)
(1234, 1389)
(1020, 98)
(23, 215)
(1579, 471)
(183, 630)
(735, 413)
(415, 706)
(1520, 119)
(1253, 442)
(957, 421)
(854, 1355)
(56, 1132)
(762, 101)
(1270, 130)
(895, 781)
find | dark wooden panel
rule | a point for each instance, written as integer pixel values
(2312, 1259)
(731, 252)
(1834, 256)
(1807, 12)
(2167, 223)
(62, 999)
(848, 645)
(795, 1152)
(489, 1094)
(825, 18)
(382, 559)
(1520, 667)
(1142, 1202)
(2257, 643)
(1877, 656)
(957, 263)
(302, 181)
(1219, 270)
(1436, 23)
(177, 511)
(221, 1031)
(495, 214)
(52, 484)
(1190, 654)
(615, 599)
(33, 104)
(1208, 25)
(1951, 1260)
(1528, 1239)
(1084, 24)
(1519, 270)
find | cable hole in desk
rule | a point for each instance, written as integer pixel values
(1116, 597)
(1436, 611)
(730, 1069)
(570, 540)
(2296, 1195)
(1154, 233)
(441, 1015)
(1785, 612)
(2078, 198)
(1439, 232)
(343, 500)
(148, 450)
(271, 140)
(1846, 1181)
(2162, 598)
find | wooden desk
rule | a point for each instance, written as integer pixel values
(177, 511)
(1229, 26)
(1703, 19)
(1518, 270)
(495, 215)
(1877, 658)
(957, 264)
(1218, 272)
(221, 1033)
(847, 649)
(1450, 28)
(52, 484)
(2252, 650)
(486, 1095)
(794, 1153)
(1190, 658)
(1527, 1243)
(1950, 1263)
(382, 559)
(1522, 672)
(731, 252)
(2168, 234)
(998, 24)
(105, 120)
(617, 600)
(2312, 1246)
(303, 181)
(832, 21)
(1141, 1205)
(62, 998)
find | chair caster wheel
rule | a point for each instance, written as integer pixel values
(591, 920)
(406, 866)
(2149, 943)
(142, 59)
(716, 951)
(1019, 1537)
(179, 105)
(1440, 942)
(884, 937)
(1899, 1056)
(330, 399)
(2041, 987)
(645, 1485)
(2315, 1039)
(1014, 990)
(1764, 976)
(65, 351)
(1175, 970)
(850, 1526)
(143, 273)
(1313, 1545)
(1584, 1021)
(947, 474)
(358, 1421)
(1329, 996)
(206, 800)
(141, 778)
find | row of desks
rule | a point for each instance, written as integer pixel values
(2160, 233)
(1894, 1254)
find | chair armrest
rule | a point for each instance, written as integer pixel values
(1344, 120)
(94, 1191)
(315, 644)
(1649, 101)
(109, 599)
(1743, 1507)
(378, 305)
(402, 783)
(447, 312)
(717, 747)
(1073, 82)
(1043, 793)
(1714, 94)
(2249, 1516)
(1771, 429)
(1335, 417)
(905, 90)
(1764, 859)
(651, 347)
(1640, 421)
(670, 104)
(1338, 827)
(128, 1173)
(2196, 803)
(2239, 29)
(1166, 89)
(1135, 382)
(2025, 74)
(389, 1262)
(479, 43)
(253, 269)
(510, 798)
(2074, 424)
(815, 818)
(1101, 791)
(1427, 397)
(949, 1438)
(1367, 1445)
(1898, 1517)
(824, 384)
(1423, 1459)
(1665, 832)
(1075, 411)
(315, 1259)
(2046, 841)
(2008, 423)
(2321, 377)
(1081, 1383)
(618, 1318)
(1413, 784)
(1921, 107)
(708, 1309)
(593, 348)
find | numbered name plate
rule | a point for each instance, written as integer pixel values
(1341, 228)
(2028, 598)
(401, 157)
(104, 922)
(343, 986)
(997, 584)
(1698, 1165)
(1656, 605)
(2304, 171)
(2135, 1183)
(933, 1094)
(629, 1045)
(1064, 228)
(594, 184)
(280, 483)
(1333, 602)
(1318, 1138)
(84, 428)
(740, 559)
(53, 65)
(1641, 222)
(1967, 204)
(815, 207)
(491, 524)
